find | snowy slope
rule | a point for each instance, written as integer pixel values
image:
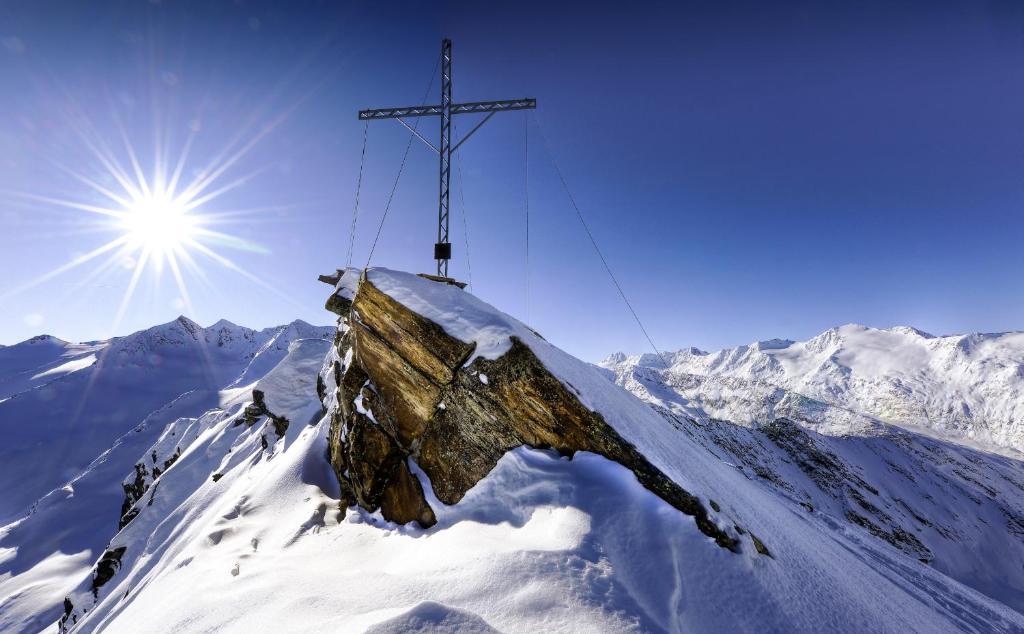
(962, 386)
(241, 532)
(76, 399)
(77, 418)
(958, 507)
(40, 360)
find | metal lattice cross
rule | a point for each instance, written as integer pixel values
(445, 110)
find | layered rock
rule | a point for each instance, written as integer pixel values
(406, 398)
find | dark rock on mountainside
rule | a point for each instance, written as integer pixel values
(106, 567)
(258, 409)
(144, 481)
(133, 491)
(405, 397)
(104, 570)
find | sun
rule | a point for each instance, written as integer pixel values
(163, 221)
(159, 223)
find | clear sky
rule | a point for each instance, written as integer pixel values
(751, 170)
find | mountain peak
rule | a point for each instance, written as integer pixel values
(42, 340)
(773, 344)
(910, 330)
(190, 326)
(613, 359)
(222, 323)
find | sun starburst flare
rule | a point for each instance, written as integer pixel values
(160, 221)
(158, 224)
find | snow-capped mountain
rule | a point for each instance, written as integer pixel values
(86, 395)
(235, 521)
(75, 418)
(875, 428)
(40, 360)
(716, 503)
(963, 386)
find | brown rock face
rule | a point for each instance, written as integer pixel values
(427, 407)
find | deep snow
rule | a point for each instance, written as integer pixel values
(76, 419)
(541, 543)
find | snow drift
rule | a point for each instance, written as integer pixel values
(243, 530)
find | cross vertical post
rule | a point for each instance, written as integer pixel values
(445, 110)
(443, 248)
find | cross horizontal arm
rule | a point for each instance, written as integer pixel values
(395, 113)
(494, 106)
(457, 108)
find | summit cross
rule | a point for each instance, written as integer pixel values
(446, 109)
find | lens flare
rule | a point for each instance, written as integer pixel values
(159, 224)
(159, 219)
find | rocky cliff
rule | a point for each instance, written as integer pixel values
(408, 395)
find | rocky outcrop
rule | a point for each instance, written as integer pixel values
(106, 568)
(340, 300)
(405, 397)
(134, 489)
(258, 409)
(142, 482)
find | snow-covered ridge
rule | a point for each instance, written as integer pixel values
(961, 386)
(75, 418)
(242, 532)
(241, 529)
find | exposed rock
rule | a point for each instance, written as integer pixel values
(321, 388)
(69, 615)
(831, 475)
(372, 458)
(406, 394)
(106, 567)
(257, 409)
(338, 304)
(174, 458)
(760, 547)
(127, 517)
(133, 492)
(403, 500)
(341, 299)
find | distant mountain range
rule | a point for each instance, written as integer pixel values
(912, 437)
(967, 387)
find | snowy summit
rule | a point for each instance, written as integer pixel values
(375, 480)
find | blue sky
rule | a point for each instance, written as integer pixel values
(751, 170)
